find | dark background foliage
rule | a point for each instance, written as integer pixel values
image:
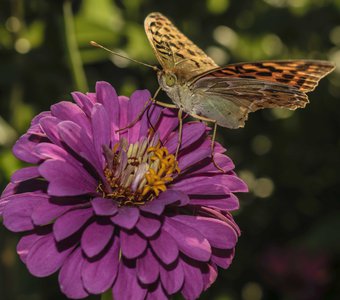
(290, 220)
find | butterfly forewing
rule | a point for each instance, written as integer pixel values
(174, 50)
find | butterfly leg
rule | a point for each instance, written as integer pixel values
(163, 104)
(212, 148)
(212, 139)
(180, 131)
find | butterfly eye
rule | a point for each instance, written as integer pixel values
(170, 79)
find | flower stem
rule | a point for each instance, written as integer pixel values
(107, 295)
(77, 69)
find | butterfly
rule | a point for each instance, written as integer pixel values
(226, 95)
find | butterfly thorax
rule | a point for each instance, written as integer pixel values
(179, 92)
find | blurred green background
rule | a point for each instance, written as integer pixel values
(290, 220)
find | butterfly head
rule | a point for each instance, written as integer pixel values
(177, 91)
(167, 80)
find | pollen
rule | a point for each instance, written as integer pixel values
(163, 167)
(137, 173)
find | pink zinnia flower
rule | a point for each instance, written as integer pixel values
(117, 210)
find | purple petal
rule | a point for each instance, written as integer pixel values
(68, 111)
(35, 130)
(193, 281)
(192, 132)
(44, 258)
(172, 278)
(83, 102)
(233, 202)
(25, 244)
(71, 222)
(223, 258)
(123, 115)
(18, 211)
(147, 268)
(75, 137)
(151, 117)
(25, 174)
(46, 212)
(218, 233)
(155, 207)
(135, 107)
(229, 202)
(192, 158)
(157, 294)
(104, 206)
(168, 197)
(172, 196)
(222, 215)
(101, 130)
(165, 247)
(3, 203)
(92, 97)
(37, 118)
(36, 186)
(126, 286)
(189, 240)
(203, 185)
(221, 160)
(107, 95)
(168, 123)
(218, 148)
(148, 226)
(209, 275)
(99, 275)
(52, 151)
(9, 190)
(95, 238)
(66, 179)
(24, 148)
(127, 217)
(70, 276)
(132, 244)
(49, 126)
(236, 185)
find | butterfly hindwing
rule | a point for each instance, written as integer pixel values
(229, 100)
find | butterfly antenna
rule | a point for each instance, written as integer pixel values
(120, 55)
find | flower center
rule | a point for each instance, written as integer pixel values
(137, 173)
